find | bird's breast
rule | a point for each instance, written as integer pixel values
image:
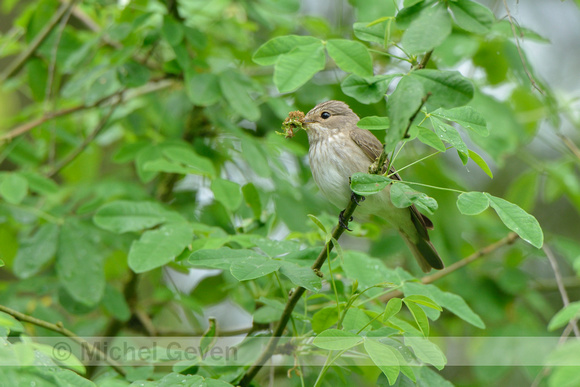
(334, 158)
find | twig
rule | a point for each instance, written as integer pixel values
(21, 129)
(573, 148)
(561, 288)
(293, 300)
(59, 328)
(17, 64)
(424, 61)
(77, 151)
(508, 240)
(521, 54)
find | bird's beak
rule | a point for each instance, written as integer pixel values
(306, 122)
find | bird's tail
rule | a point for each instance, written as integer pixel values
(424, 252)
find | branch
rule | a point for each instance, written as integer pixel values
(565, 300)
(423, 62)
(74, 154)
(59, 328)
(508, 240)
(17, 64)
(26, 127)
(521, 54)
(293, 300)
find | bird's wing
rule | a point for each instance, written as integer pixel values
(373, 148)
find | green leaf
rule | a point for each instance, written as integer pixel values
(79, 264)
(384, 357)
(471, 16)
(36, 251)
(185, 155)
(371, 33)
(37, 77)
(274, 248)
(172, 30)
(465, 116)
(324, 318)
(472, 203)
(115, 303)
(202, 89)
(351, 56)
(295, 68)
(401, 106)
(393, 307)
(221, 258)
(517, 220)
(427, 137)
(423, 300)
(13, 187)
(301, 276)
(450, 135)
(565, 315)
(133, 74)
(7, 321)
(228, 193)
(209, 338)
(477, 159)
(158, 247)
(336, 340)
(419, 316)
(253, 267)
(367, 90)
(428, 30)
(318, 223)
(374, 123)
(234, 87)
(365, 184)
(426, 351)
(252, 199)
(123, 216)
(40, 184)
(449, 301)
(268, 53)
(448, 88)
(403, 196)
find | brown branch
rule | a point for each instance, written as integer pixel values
(21, 59)
(60, 329)
(26, 127)
(508, 240)
(573, 148)
(572, 325)
(77, 151)
(295, 297)
(521, 54)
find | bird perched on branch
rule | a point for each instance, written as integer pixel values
(338, 149)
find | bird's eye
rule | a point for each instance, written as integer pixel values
(325, 115)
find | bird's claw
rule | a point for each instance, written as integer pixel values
(343, 223)
(358, 199)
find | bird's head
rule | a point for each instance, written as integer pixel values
(330, 115)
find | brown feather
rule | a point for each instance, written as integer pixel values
(373, 148)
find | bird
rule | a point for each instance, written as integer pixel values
(337, 150)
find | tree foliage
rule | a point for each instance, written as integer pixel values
(138, 143)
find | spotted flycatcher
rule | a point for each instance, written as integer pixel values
(338, 149)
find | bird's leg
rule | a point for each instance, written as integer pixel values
(343, 222)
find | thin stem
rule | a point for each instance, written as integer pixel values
(415, 162)
(435, 187)
(76, 152)
(561, 288)
(508, 240)
(59, 328)
(521, 54)
(295, 297)
(17, 64)
(28, 126)
(335, 291)
(389, 54)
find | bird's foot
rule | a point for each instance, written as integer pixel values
(358, 199)
(343, 222)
